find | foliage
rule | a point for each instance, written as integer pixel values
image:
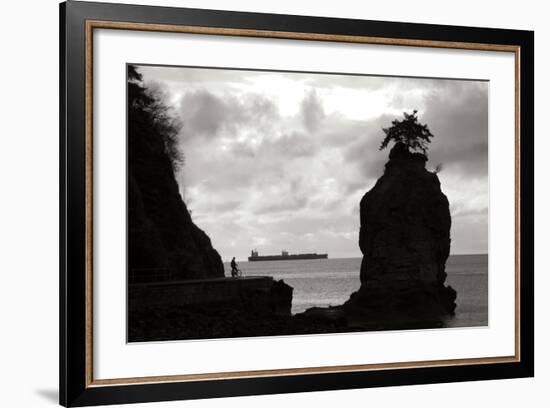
(147, 106)
(408, 131)
(153, 159)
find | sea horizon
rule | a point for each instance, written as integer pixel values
(227, 261)
(330, 282)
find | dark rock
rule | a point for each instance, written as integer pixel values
(280, 298)
(163, 241)
(258, 306)
(405, 241)
(330, 315)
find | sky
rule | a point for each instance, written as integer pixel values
(280, 160)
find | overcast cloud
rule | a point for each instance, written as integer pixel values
(279, 161)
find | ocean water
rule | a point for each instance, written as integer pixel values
(329, 282)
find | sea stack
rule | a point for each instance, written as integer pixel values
(405, 240)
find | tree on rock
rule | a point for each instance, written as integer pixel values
(408, 131)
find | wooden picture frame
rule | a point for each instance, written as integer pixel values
(78, 386)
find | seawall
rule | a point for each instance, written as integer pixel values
(261, 291)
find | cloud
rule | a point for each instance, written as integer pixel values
(364, 151)
(458, 118)
(312, 112)
(207, 114)
(289, 145)
(281, 203)
(281, 160)
(194, 78)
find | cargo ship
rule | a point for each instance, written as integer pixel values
(285, 256)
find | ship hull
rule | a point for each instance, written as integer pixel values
(286, 257)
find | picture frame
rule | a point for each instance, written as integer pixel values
(78, 383)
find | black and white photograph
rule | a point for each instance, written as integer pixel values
(274, 204)
(266, 203)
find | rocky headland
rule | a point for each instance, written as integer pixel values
(176, 283)
(404, 236)
(161, 234)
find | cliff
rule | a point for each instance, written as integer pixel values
(163, 241)
(405, 240)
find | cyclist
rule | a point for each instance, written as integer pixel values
(234, 270)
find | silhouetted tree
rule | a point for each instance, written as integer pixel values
(408, 131)
(148, 107)
(153, 158)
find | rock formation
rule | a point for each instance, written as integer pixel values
(176, 285)
(162, 238)
(405, 240)
(209, 308)
(162, 235)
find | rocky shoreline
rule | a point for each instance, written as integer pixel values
(217, 321)
(405, 240)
